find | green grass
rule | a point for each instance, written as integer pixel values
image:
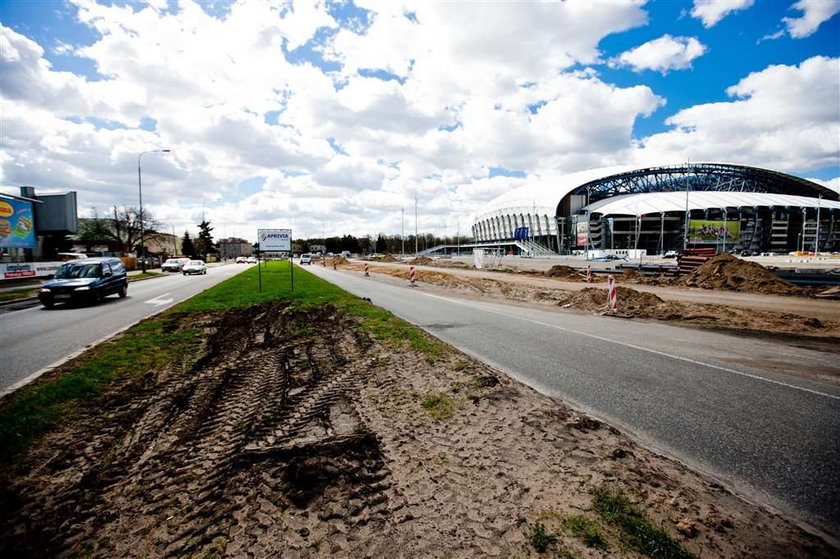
(639, 532)
(539, 538)
(587, 529)
(144, 275)
(35, 409)
(438, 406)
(16, 294)
(154, 344)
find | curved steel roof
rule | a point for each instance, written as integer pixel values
(609, 182)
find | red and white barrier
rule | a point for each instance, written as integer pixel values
(367, 272)
(612, 299)
(412, 277)
(588, 273)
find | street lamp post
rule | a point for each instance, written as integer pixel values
(140, 191)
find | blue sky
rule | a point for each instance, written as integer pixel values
(332, 117)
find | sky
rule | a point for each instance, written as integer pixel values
(332, 118)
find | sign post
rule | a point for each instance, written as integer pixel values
(277, 240)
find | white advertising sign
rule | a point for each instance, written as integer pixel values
(17, 270)
(275, 240)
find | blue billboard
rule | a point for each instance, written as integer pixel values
(17, 224)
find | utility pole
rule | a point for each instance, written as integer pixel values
(415, 225)
(687, 211)
(402, 237)
(817, 238)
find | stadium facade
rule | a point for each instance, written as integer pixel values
(660, 209)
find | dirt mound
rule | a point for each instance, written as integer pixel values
(260, 424)
(388, 258)
(421, 261)
(565, 272)
(451, 264)
(630, 301)
(335, 262)
(632, 276)
(725, 271)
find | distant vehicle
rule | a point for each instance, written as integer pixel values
(305, 258)
(85, 280)
(670, 254)
(194, 267)
(69, 256)
(345, 254)
(174, 264)
(251, 260)
(241, 260)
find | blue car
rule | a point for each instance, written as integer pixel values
(87, 280)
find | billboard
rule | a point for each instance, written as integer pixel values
(17, 225)
(708, 231)
(581, 228)
(275, 240)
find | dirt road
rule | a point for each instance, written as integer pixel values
(822, 309)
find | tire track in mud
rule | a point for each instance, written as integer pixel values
(262, 425)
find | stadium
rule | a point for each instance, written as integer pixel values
(662, 209)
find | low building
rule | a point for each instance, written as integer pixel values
(232, 247)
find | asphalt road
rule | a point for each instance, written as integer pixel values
(34, 338)
(757, 415)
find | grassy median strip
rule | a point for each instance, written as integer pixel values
(30, 412)
(23, 293)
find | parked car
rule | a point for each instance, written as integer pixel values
(252, 260)
(305, 258)
(194, 267)
(241, 260)
(174, 264)
(85, 280)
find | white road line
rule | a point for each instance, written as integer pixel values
(159, 300)
(633, 346)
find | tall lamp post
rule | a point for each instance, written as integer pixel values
(140, 191)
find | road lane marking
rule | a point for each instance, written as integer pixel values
(633, 346)
(159, 300)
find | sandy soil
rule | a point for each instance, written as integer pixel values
(819, 318)
(296, 436)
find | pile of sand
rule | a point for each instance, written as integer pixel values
(631, 302)
(725, 271)
(632, 276)
(566, 273)
(335, 262)
(421, 261)
(388, 258)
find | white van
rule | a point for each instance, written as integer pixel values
(305, 258)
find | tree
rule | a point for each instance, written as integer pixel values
(187, 246)
(204, 242)
(381, 244)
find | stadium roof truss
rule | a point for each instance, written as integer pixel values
(701, 177)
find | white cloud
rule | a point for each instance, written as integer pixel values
(833, 184)
(783, 117)
(479, 86)
(815, 13)
(710, 12)
(662, 54)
